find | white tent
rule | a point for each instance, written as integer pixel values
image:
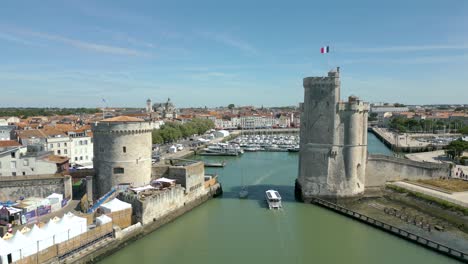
(80, 223)
(54, 229)
(71, 226)
(114, 206)
(5, 249)
(163, 179)
(143, 188)
(103, 219)
(21, 246)
(172, 149)
(39, 235)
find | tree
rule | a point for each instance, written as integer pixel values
(231, 106)
(372, 117)
(463, 130)
(399, 105)
(456, 148)
(156, 137)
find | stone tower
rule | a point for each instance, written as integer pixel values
(333, 148)
(149, 107)
(122, 153)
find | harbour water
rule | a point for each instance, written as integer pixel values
(231, 230)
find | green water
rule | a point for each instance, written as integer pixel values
(230, 230)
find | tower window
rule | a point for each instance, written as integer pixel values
(118, 170)
(124, 149)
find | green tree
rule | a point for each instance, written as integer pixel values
(156, 137)
(231, 106)
(372, 117)
(456, 148)
(463, 130)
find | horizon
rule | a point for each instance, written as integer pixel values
(74, 53)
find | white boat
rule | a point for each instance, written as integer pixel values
(273, 199)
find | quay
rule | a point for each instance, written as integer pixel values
(406, 142)
(409, 236)
(269, 131)
(206, 164)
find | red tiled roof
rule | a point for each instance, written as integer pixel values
(122, 119)
(56, 158)
(9, 143)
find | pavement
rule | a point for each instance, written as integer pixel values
(460, 198)
(437, 156)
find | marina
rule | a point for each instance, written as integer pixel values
(254, 143)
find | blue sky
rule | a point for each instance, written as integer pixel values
(211, 53)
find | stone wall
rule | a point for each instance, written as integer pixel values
(151, 208)
(12, 188)
(191, 176)
(381, 169)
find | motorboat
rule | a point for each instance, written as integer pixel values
(273, 199)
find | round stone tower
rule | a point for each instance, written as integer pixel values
(122, 153)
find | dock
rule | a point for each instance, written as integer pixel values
(206, 164)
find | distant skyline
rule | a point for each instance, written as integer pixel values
(74, 53)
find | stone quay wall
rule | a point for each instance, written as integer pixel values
(12, 188)
(381, 169)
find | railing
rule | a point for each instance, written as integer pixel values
(100, 201)
(446, 250)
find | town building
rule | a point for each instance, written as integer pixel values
(18, 160)
(81, 148)
(166, 109)
(7, 132)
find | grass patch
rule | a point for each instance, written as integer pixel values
(440, 202)
(454, 185)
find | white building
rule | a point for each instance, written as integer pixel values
(59, 144)
(256, 121)
(81, 148)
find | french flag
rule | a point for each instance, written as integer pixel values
(325, 49)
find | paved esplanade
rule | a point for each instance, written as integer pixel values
(333, 154)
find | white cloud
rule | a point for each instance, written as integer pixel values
(404, 48)
(230, 41)
(84, 45)
(408, 60)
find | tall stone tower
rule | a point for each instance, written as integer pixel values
(122, 153)
(149, 107)
(333, 148)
